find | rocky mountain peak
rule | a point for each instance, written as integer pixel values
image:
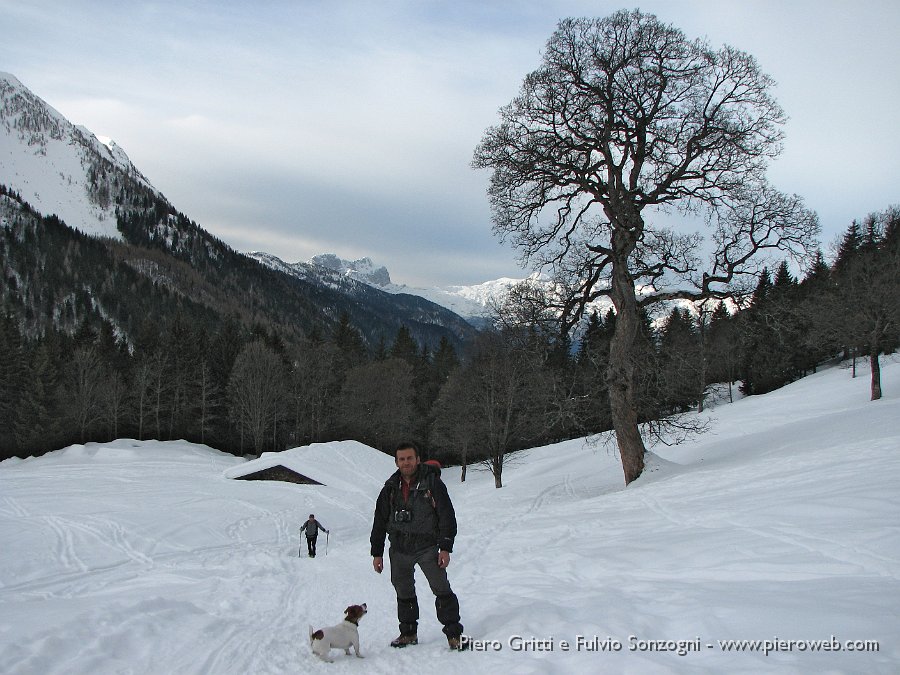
(362, 269)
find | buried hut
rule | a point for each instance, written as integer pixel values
(273, 466)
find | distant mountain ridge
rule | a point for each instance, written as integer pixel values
(81, 188)
(475, 303)
(470, 302)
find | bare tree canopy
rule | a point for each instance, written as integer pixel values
(624, 119)
(255, 388)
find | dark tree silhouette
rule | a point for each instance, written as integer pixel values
(624, 117)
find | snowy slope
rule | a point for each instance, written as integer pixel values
(49, 161)
(779, 525)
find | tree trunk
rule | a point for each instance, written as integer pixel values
(702, 332)
(876, 374)
(465, 463)
(621, 374)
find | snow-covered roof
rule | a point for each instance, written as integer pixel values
(341, 464)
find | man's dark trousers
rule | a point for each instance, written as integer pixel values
(402, 577)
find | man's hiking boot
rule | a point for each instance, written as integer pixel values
(405, 640)
(456, 644)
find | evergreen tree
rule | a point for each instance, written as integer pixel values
(37, 427)
(814, 306)
(723, 348)
(764, 362)
(784, 281)
(680, 362)
(405, 347)
(225, 345)
(867, 288)
(445, 360)
(789, 323)
(592, 362)
(349, 342)
(848, 248)
(12, 383)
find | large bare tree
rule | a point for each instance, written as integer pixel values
(626, 121)
(84, 379)
(509, 394)
(255, 388)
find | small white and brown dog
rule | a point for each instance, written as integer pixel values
(342, 636)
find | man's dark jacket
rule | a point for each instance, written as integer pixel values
(432, 520)
(311, 528)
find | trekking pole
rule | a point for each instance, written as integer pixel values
(327, 534)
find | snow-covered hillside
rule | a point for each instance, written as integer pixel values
(57, 167)
(778, 528)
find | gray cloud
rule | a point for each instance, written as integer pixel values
(307, 127)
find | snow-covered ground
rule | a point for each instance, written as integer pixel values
(780, 525)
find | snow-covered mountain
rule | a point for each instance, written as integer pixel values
(60, 168)
(90, 184)
(473, 302)
(363, 269)
(51, 167)
(64, 169)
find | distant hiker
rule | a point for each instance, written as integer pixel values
(414, 510)
(311, 527)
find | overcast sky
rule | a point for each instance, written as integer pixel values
(301, 127)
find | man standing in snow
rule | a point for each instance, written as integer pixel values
(414, 510)
(312, 527)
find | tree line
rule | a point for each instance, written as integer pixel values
(247, 390)
(242, 390)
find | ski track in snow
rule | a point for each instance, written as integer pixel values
(141, 557)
